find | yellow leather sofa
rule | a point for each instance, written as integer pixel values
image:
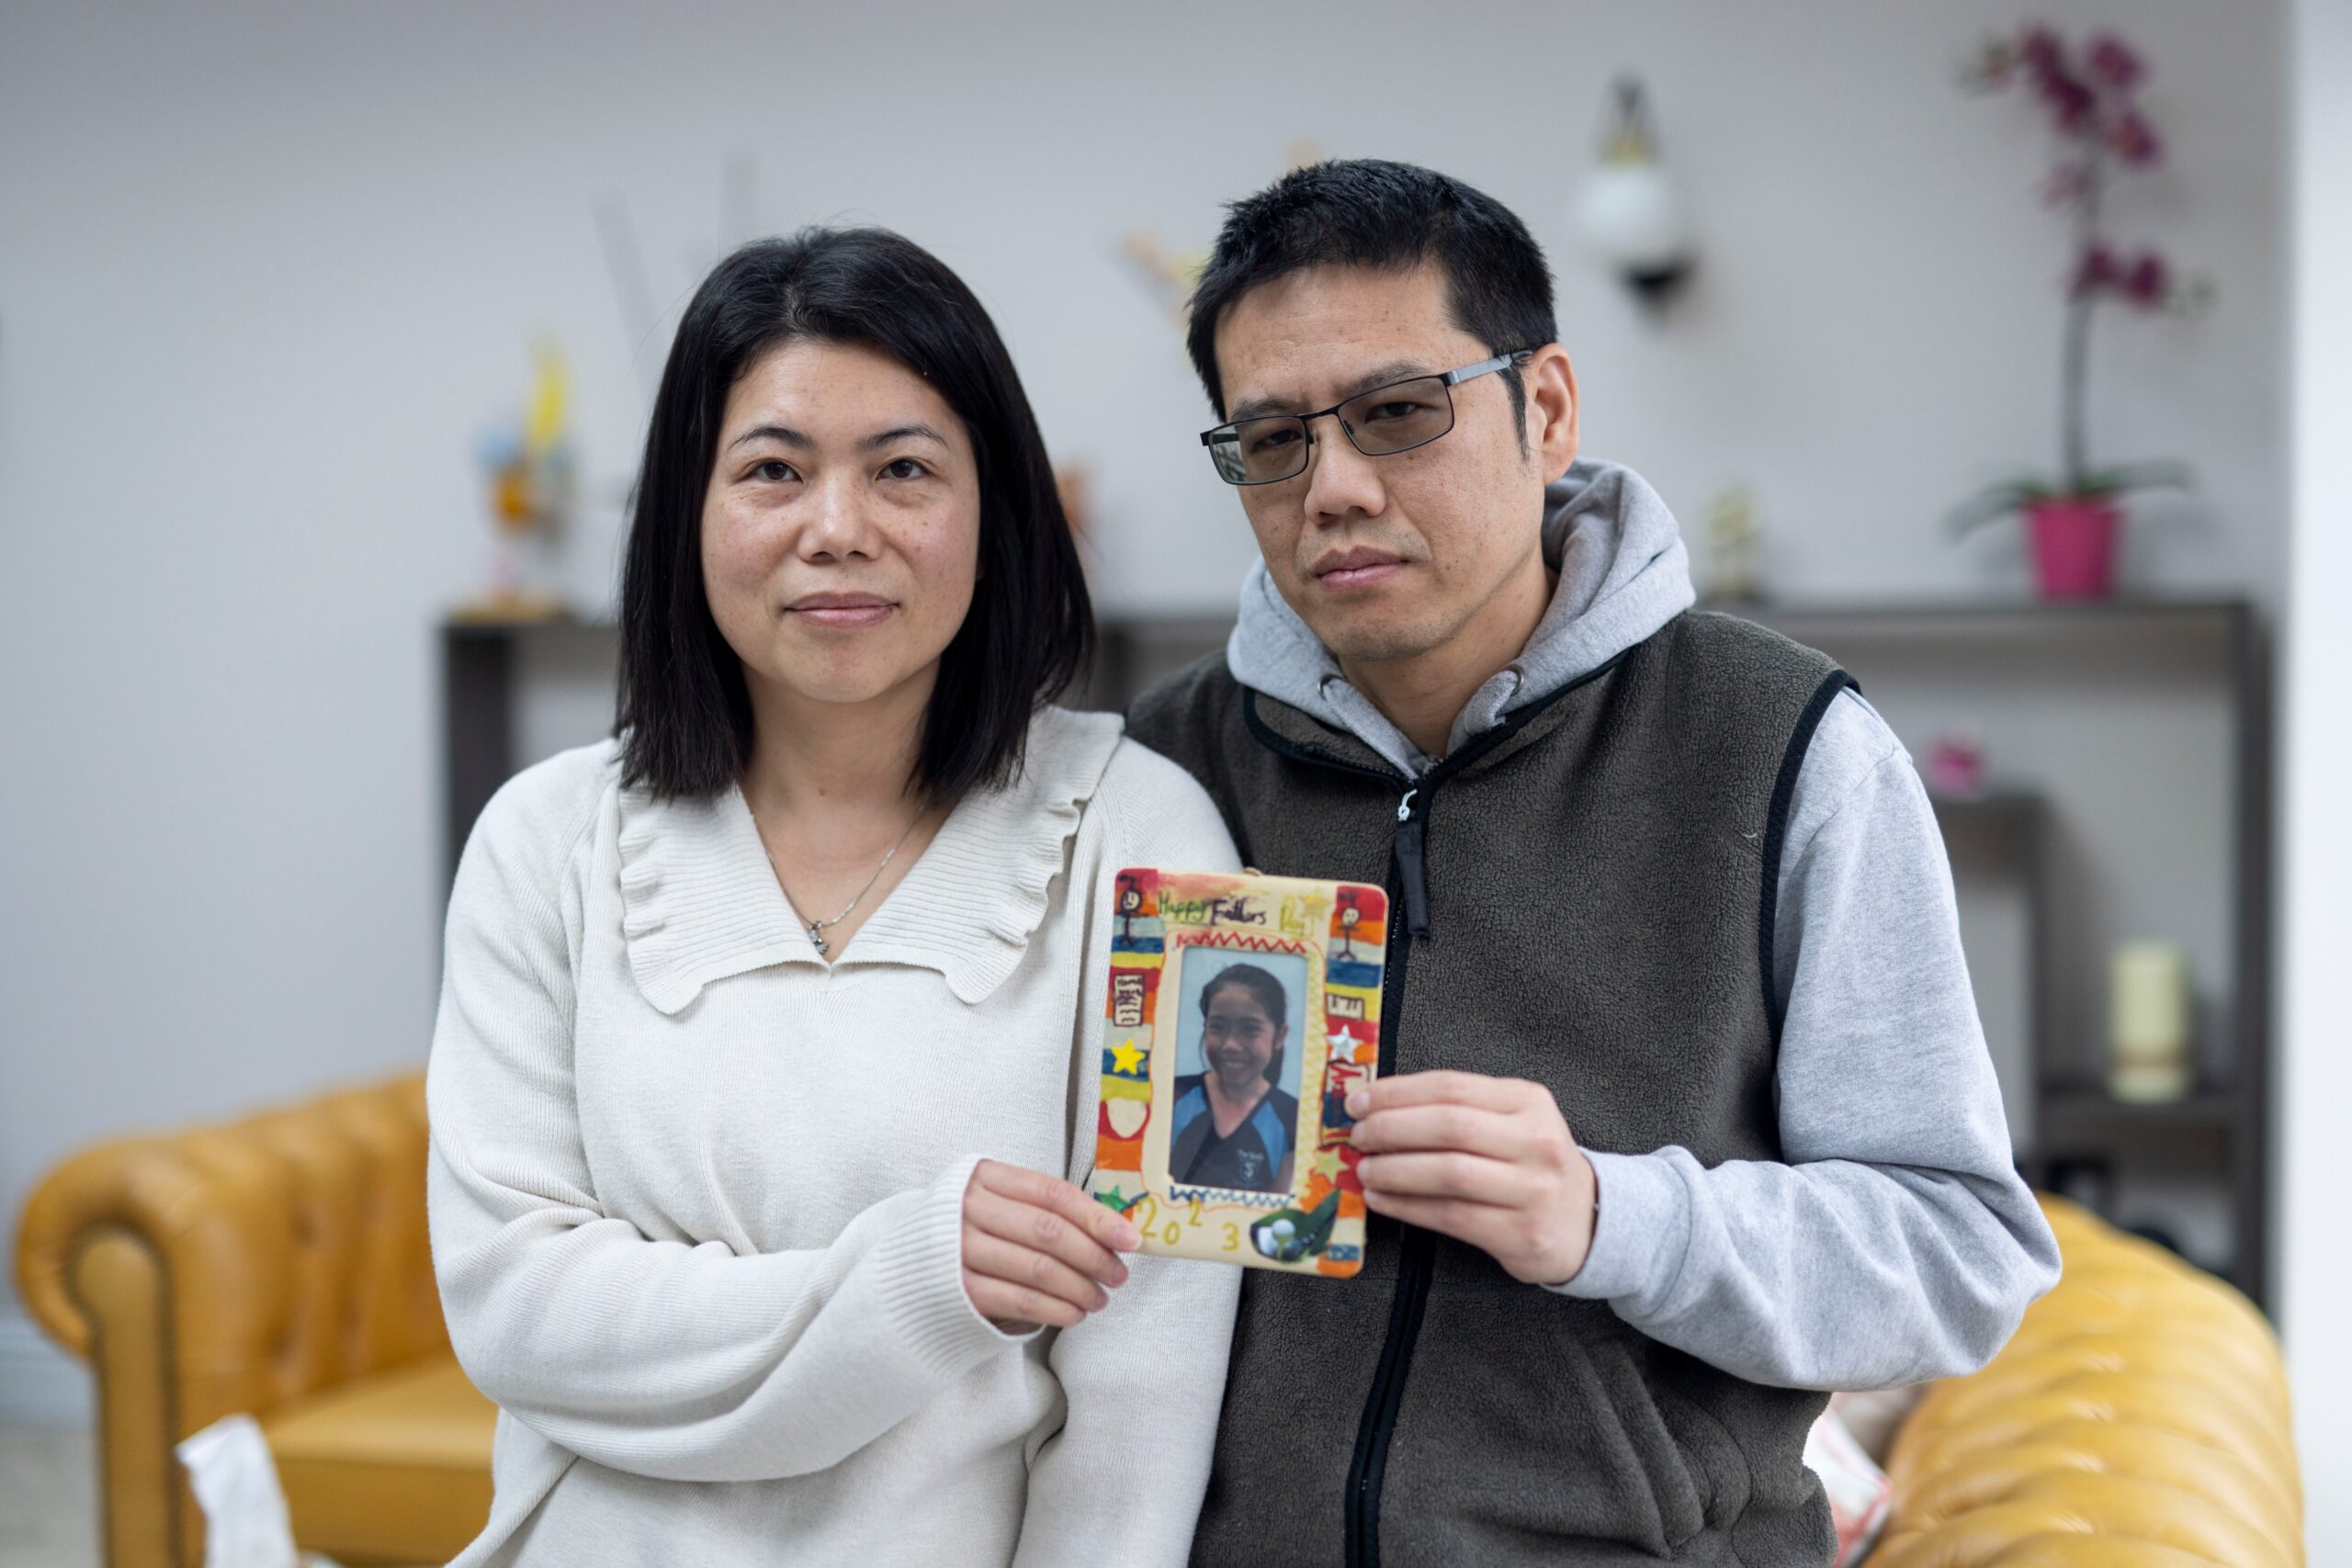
(279, 1266)
(2137, 1419)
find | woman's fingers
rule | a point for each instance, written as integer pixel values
(986, 1255)
(1016, 1309)
(1036, 1249)
(1044, 1231)
(1108, 1229)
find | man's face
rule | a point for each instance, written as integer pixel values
(1392, 556)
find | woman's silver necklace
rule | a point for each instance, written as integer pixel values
(816, 928)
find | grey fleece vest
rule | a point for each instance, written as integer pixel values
(1582, 898)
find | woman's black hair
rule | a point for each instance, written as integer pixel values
(1271, 1000)
(685, 715)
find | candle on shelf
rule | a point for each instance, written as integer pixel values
(2148, 1023)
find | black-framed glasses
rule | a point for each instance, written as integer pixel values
(1381, 422)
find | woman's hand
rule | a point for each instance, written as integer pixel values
(1038, 1250)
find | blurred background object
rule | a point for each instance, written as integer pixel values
(1169, 274)
(263, 270)
(1634, 215)
(1734, 548)
(1955, 763)
(1073, 483)
(528, 466)
(2089, 94)
(2148, 1023)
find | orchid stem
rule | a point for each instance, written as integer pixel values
(2081, 300)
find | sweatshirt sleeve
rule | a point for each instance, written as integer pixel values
(1142, 1380)
(654, 1357)
(1897, 1243)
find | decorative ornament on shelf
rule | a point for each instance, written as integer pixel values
(2089, 95)
(529, 467)
(1734, 548)
(2148, 1023)
(1074, 483)
(1955, 767)
(1172, 274)
(1633, 214)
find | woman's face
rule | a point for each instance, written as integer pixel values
(841, 531)
(1237, 1039)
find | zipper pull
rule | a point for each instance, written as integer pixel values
(1410, 834)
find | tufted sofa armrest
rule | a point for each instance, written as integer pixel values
(229, 1269)
(2139, 1416)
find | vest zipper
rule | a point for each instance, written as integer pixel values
(1417, 1255)
(1417, 1248)
(1408, 885)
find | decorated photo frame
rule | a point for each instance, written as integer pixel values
(1241, 1012)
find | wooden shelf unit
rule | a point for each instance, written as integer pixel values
(2223, 1126)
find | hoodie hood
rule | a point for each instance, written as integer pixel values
(1623, 574)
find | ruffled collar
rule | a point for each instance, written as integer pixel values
(699, 902)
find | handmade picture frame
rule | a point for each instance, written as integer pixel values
(1242, 1010)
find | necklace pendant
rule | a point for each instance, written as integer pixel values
(817, 935)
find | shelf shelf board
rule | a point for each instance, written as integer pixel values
(1992, 806)
(491, 628)
(1945, 615)
(2084, 1110)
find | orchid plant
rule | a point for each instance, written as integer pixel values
(2090, 94)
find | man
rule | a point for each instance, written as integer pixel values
(1684, 1110)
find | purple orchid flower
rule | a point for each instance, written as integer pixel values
(2089, 96)
(2115, 64)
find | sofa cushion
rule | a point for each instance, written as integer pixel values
(2139, 1416)
(393, 1467)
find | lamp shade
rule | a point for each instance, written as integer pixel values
(1635, 219)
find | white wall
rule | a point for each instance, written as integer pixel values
(264, 271)
(2315, 1243)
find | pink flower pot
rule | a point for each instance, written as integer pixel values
(2074, 546)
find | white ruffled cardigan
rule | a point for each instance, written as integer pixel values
(696, 1196)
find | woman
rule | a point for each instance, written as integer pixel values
(1232, 1124)
(769, 1027)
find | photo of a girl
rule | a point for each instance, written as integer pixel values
(1234, 1125)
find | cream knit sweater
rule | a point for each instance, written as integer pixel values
(695, 1196)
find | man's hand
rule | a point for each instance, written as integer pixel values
(1485, 1160)
(1038, 1250)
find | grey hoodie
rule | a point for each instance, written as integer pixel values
(1897, 1243)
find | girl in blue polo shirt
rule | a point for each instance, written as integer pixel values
(1233, 1124)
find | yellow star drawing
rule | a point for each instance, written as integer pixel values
(1127, 1058)
(1327, 1164)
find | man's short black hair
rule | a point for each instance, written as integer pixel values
(1368, 212)
(685, 713)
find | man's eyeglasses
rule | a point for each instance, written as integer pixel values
(1385, 420)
